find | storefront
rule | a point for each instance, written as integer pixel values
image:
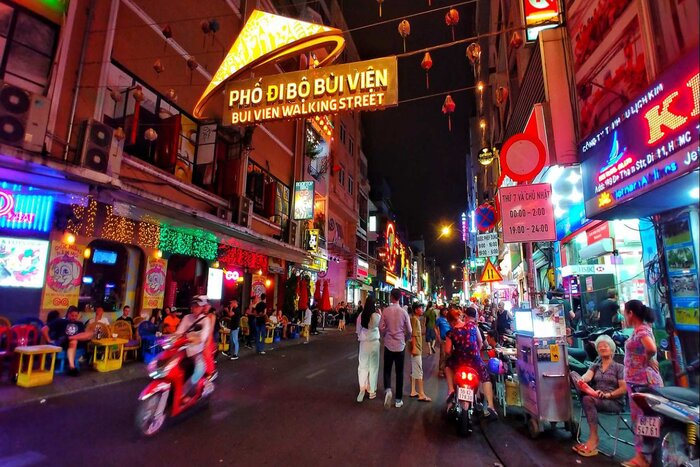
(26, 220)
(643, 163)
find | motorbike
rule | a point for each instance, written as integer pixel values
(463, 403)
(163, 397)
(671, 417)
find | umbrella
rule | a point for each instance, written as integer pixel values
(303, 294)
(317, 292)
(326, 298)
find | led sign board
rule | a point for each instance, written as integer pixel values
(23, 262)
(539, 15)
(303, 200)
(20, 209)
(653, 141)
(368, 85)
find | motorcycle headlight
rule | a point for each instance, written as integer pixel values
(152, 367)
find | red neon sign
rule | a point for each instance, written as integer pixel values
(391, 246)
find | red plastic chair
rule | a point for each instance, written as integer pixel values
(23, 334)
(5, 352)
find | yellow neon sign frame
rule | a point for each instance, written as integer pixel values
(266, 38)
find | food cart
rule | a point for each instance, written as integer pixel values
(542, 367)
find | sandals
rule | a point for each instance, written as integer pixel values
(415, 395)
(584, 451)
(424, 399)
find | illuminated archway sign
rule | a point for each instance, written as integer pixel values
(267, 38)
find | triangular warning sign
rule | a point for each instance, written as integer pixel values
(490, 273)
(265, 38)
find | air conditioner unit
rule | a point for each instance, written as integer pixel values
(597, 249)
(23, 118)
(96, 146)
(244, 210)
(292, 229)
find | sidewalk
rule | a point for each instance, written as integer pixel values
(553, 447)
(12, 396)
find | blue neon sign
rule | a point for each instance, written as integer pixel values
(22, 209)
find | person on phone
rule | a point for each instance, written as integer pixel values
(641, 370)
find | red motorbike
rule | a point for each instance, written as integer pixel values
(163, 397)
(461, 407)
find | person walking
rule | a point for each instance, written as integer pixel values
(342, 312)
(367, 328)
(395, 329)
(430, 318)
(442, 326)
(641, 371)
(307, 324)
(608, 310)
(261, 324)
(417, 354)
(234, 325)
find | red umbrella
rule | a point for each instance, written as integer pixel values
(303, 294)
(326, 298)
(317, 292)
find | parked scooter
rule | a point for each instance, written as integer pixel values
(461, 406)
(163, 397)
(671, 417)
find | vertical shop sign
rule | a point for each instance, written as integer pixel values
(64, 276)
(527, 213)
(154, 283)
(683, 273)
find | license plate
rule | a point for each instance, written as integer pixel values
(465, 394)
(649, 426)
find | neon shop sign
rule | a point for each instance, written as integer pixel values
(19, 211)
(653, 141)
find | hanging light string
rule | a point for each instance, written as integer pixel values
(414, 15)
(436, 94)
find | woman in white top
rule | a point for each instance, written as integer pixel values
(368, 334)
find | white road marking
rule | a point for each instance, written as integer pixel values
(23, 460)
(316, 373)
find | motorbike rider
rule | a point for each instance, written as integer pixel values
(198, 329)
(463, 346)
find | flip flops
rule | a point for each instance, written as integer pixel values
(584, 451)
(414, 395)
(424, 399)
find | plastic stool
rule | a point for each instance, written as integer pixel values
(62, 360)
(270, 337)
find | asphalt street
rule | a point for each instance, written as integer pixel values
(294, 406)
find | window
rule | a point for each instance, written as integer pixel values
(372, 223)
(351, 147)
(341, 175)
(351, 185)
(27, 47)
(342, 133)
(270, 196)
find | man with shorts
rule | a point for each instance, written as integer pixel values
(417, 354)
(67, 333)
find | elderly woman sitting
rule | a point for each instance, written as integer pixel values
(606, 378)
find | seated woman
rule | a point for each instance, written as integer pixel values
(606, 378)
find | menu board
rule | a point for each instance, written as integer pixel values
(22, 262)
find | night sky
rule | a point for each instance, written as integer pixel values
(410, 144)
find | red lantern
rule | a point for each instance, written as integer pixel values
(474, 52)
(427, 64)
(452, 19)
(447, 108)
(405, 31)
(501, 95)
(192, 65)
(167, 33)
(158, 67)
(516, 40)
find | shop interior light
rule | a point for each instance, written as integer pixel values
(87, 252)
(69, 238)
(158, 254)
(268, 283)
(695, 193)
(215, 265)
(259, 272)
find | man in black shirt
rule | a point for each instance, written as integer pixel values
(608, 309)
(126, 315)
(260, 322)
(67, 333)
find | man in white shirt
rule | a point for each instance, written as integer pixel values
(395, 328)
(198, 328)
(307, 324)
(99, 317)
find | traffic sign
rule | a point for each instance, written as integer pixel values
(490, 273)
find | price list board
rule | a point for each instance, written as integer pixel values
(527, 213)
